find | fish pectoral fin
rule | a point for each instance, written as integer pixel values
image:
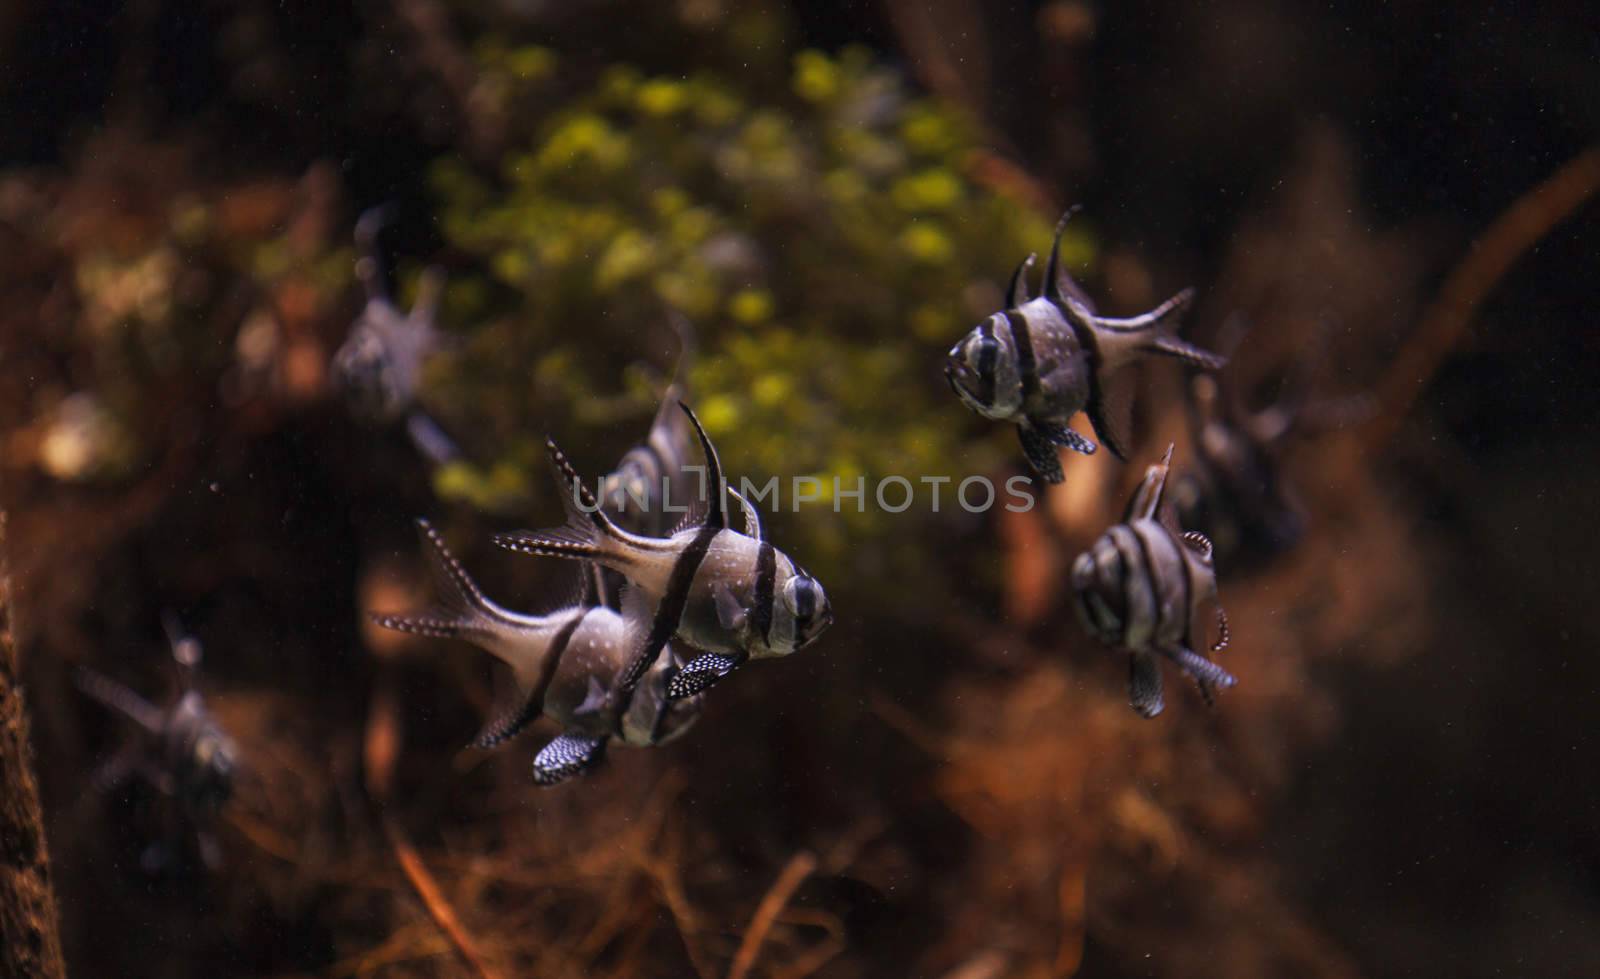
(700, 674)
(594, 698)
(1041, 454)
(730, 612)
(1207, 674)
(1066, 437)
(568, 755)
(1144, 685)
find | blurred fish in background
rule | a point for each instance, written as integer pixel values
(180, 749)
(1236, 490)
(379, 367)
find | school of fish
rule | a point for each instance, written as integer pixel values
(664, 609)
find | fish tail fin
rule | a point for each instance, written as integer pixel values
(1155, 332)
(462, 609)
(588, 532)
(116, 697)
(439, 624)
(1169, 345)
(1164, 339)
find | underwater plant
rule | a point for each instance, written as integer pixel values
(824, 240)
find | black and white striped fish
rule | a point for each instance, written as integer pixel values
(183, 751)
(1043, 360)
(1236, 492)
(564, 665)
(650, 486)
(378, 369)
(1144, 586)
(732, 595)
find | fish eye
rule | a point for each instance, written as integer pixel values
(808, 603)
(800, 596)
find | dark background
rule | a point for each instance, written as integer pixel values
(1446, 826)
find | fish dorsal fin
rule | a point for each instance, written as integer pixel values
(424, 313)
(1059, 286)
(690, 519)
(1017, 294)
(716, 514)
(686, 345)
(1146, 502)
(668, 422)
(752, 516)
(186, 650)
(374, 271)
(1198, 543)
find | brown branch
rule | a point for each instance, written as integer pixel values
(434, 900)
(1073, 899)
(665, 871)
(30, 940)
(948, 47)
(799, 867)
(824, 952)
(381, 749)
(1519, 228)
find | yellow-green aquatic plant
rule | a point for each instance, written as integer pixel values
(828, 242)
